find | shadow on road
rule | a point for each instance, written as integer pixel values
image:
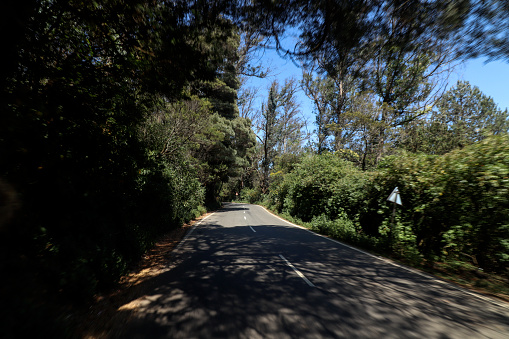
(229, 282)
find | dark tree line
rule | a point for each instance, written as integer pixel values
(118, 122)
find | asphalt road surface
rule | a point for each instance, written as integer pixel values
(245, 273)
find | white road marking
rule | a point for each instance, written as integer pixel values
(299, 273)
(189, 233)
(252, 229)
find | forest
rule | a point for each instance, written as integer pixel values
(121, 120)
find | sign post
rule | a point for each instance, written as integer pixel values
(395, 198)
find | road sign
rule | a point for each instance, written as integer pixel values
(394, 197)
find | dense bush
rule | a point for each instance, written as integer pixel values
(455, 206)
(341, 227)
(474, 199)
(251, 195)
(85, 195)
(320, 185)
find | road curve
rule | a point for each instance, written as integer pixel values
(245, 273)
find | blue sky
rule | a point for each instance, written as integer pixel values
(491, 78)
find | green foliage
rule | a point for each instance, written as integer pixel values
(100, 122)
(470, 115)
(456, 205)
(400, 239)
(187, 192)
(478, 181)
(251, 195)
(223, 152)
(279, 128)
(340, 228)
(320, 184)
(463, 116)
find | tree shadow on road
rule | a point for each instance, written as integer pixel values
(228, 282)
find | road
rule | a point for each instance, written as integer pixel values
(245, 273)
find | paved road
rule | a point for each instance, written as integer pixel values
(244, 273)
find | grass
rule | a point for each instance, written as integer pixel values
(472, 278)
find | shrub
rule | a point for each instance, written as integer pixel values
(251, 195)
(341, 228)
(321, 184)
(455, 204)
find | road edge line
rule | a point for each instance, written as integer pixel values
(177, 248)
(409, 269)
(299, 273)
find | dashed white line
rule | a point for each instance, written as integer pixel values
(299, 273)
(252, 229)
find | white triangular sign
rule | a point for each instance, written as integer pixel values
(394, 197)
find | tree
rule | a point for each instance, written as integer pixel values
(364, 128)
(223, 151)
(481, 27)
(82, 83)
(220, 155)
(246, 103)
(333, 108)
(395, 49)
(334, 43)
(269, 136)
(470, 114)
(289, 122)
(321, 92)
(248, 65)
(279, 129)
(341, 59)
(409, 57)
(464, 115)
(425, 135)
(171, 129)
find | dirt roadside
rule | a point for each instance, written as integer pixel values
(108, 314)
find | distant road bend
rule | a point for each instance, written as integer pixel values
(245, 273)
